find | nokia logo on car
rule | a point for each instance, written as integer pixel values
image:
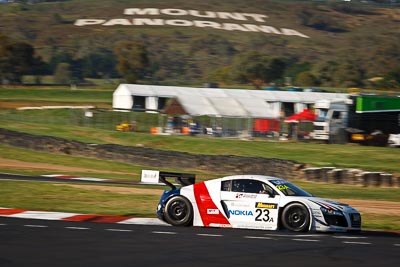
(241, 212)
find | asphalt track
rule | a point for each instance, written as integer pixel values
(27, 242)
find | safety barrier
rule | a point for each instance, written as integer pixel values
(351, 176)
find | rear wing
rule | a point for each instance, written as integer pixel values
(160, 178)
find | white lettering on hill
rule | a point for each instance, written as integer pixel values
(181, 19)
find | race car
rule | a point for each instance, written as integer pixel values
(251, 202)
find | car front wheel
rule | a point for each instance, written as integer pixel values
(295, 217)
(178, 211)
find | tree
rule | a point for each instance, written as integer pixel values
(306, 78)
(133, 63)
(39, 69)
(326, 72)
(213, 46)
(222, 75)
(251, 68)
(4, 55)
(295, 67)
(62, 74)
(16, 59)
(99, 64)
(276, 69)
(256, 68)
(166, 64)
(75, 65)
(60, 57)
(349, 74)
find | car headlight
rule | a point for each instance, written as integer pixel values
(331, 212)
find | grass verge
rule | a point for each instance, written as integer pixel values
(61, 197)
(343, 156)
(110, 200)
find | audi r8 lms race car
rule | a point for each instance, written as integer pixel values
(252, 202)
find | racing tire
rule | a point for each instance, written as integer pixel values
(178, 211)
(296, 218)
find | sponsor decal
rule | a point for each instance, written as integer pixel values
(244, 195)
(257, 226)
(241, 212)
(282, 187)
(212, 211)
(150, 176)
(266, 205)
(220, 225)
(241, 204)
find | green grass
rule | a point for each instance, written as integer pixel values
(63, 160)
(379, 222)
(56, 95)
(367, 158)
(83, 166)
(60, 197)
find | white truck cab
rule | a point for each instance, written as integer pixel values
(332, 117)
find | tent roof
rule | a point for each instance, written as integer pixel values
(305, 115)
(224, 102)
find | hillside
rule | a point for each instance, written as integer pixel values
(191, 41)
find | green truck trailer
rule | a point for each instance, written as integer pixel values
(364, 119)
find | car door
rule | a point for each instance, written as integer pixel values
(249, 203)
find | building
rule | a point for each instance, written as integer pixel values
(217, 103)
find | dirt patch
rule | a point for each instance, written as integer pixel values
(374, 206)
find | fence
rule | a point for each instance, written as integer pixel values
(93, 118)
(142, 121)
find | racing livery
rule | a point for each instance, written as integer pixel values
(254, 202)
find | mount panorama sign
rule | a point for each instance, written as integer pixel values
(250, 22)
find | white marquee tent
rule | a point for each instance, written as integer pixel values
(216, 102)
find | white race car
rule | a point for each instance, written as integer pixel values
(252, 202)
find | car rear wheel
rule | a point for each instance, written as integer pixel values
(178, 211)
(295, 217)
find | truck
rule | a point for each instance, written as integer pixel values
(364, 118)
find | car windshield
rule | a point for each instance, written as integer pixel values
(321, 113)
(289, 189)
